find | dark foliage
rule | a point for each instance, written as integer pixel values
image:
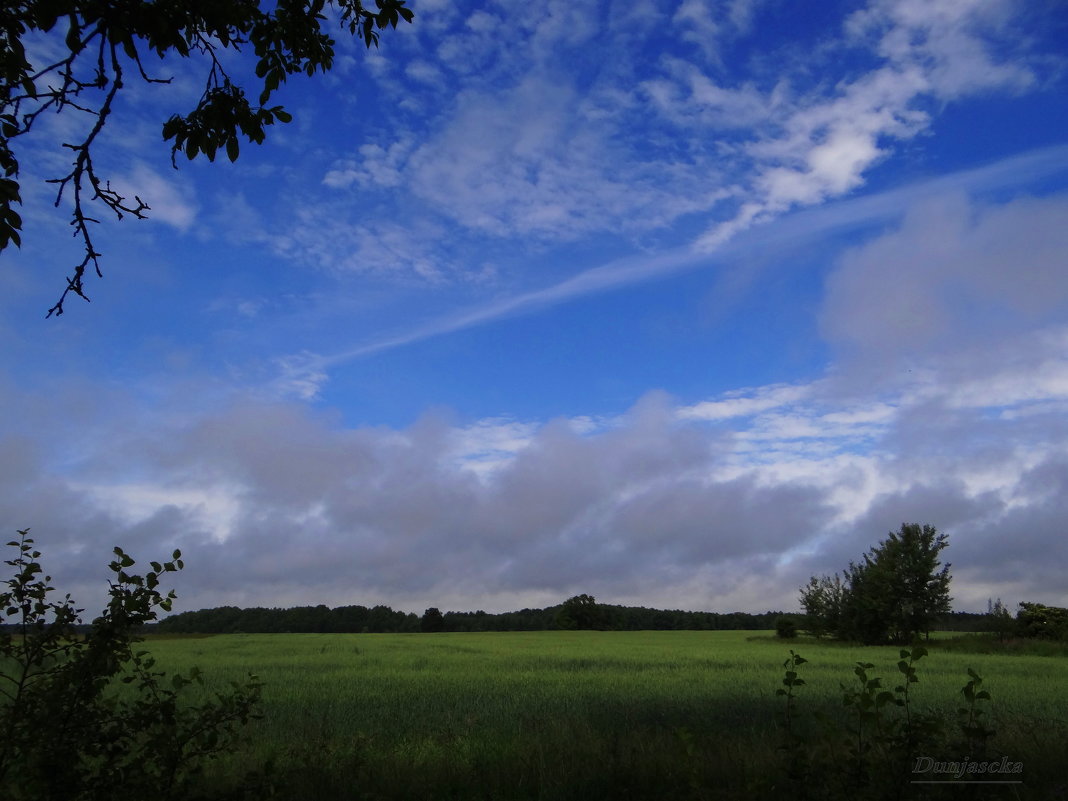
(106, 44)
(786, 627)
(1042, 622)
(894, 594)
(360, 619)
(581, 612)
(432, 620)
(87, 717)
(884, 746)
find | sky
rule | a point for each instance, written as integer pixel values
(672, 303)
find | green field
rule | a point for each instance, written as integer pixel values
(581, 715)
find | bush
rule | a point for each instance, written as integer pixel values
(786, 627)
(883, 742)
(85, 716)
(1042, 622)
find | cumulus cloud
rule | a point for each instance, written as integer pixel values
(954, 272)
(273, 503)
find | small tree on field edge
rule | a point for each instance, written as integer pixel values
(892, 595)
(432, 620)
(86, 716)
(580, 612)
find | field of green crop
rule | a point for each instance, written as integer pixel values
(579, 715)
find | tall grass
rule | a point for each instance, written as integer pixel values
(572, 715)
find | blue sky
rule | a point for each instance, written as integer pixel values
(674, 303)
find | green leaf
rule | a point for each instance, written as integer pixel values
(232, 148)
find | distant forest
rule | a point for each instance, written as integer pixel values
(383, 619)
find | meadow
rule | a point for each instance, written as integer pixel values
(584, 714)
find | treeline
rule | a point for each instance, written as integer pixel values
(318, 619)
(383, 619)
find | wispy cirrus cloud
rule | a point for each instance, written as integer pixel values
(818, 146)
(881, 274)
(548, 135)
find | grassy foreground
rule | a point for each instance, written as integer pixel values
(584, 715)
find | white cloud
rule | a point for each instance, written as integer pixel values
(532, 145)
(744, 404)
(526, 512)
(844, 302)
(328, 238)
(792, 479)
(742, 12)
(946, 38)
(954, 273)
(820, 147)
(483, 22)
(300, 375)
(212, 507)
(695, 17)
(168, 200)
(560, 124)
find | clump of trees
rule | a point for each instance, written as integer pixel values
(1038, 621)
(896, 592)
(580, 612)
(85, 714)
(432, 621)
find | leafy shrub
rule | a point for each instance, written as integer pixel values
(786, 627)
(874, 751)
(1042, 622)
(86, 716)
